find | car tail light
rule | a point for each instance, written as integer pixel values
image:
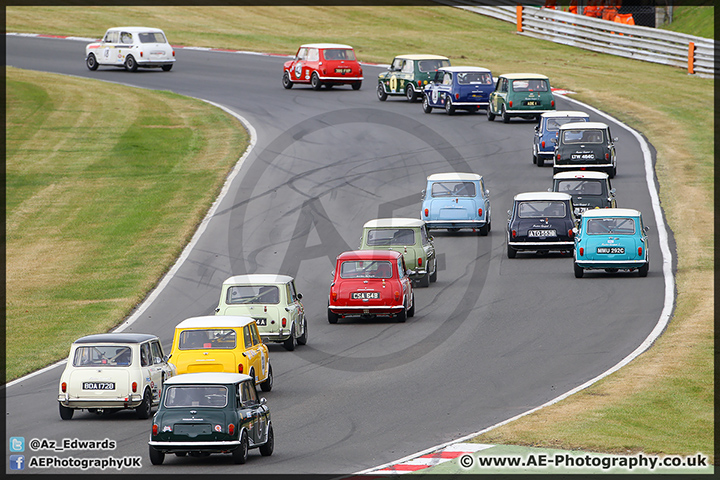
(457, 96)
(510, 103)
(397, 296)
(582, 251)
(63, 387)
(284, 322)
(333, 294)
(514, 233)
(141, 53)
(479, 212)
(134, 387)
(543, 144)
(419, 262)
(173, 53)
(640, 251)
(265, 308)
(419, 83)
(231, 429)
(552, 103)
(570, 233)
(240, 368)
(558, 156)
(155, 429)
(607, 156)
(427, 212)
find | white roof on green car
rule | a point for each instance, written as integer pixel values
(583, 125)
(611, 212)
(580, 174)
(325, 45)
(258, 279)
(464, 69)
(524, 76)
(453, 176)
(136, 29)
(215, 321)
(422, 57)
(565, 113)
(394, 223)
(541, 196)
(205, 378)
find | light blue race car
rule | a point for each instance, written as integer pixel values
(612, 239)
(456, 200)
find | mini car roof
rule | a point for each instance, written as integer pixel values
(523, 76)
(205, 378)
(586, 125)
(258, 278)
(581, 174)
(565, 113)
(369, 255)
(521, 197)
(136, 29)
(418, 56)
(611, 212)
(394, 222)
(454, 176)
(464, 69)
(324, 45)
(215, 321)
(115, 338)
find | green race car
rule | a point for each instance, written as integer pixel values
(408, 75)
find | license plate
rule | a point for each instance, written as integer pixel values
(611, 250)
(98, 386)
(531, 103)
(584, 156)
(542, 233)
(364, 295)
(343, 70)
(192, 430)
(261, 322)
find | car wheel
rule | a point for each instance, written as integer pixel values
(289, 344)
(490, 114)
(411, 311)
(332, 317)
(511, 252)
(382, 96)
(410, 93)
(402, 316)
(424, 281)
(65, 412)
(287, 83)
(131, 64)
(504, 115)
(612, 172)
(267, 385)
(426, 104)
(643, 271)
(556, 171)
(143, 410)
(167, 68)
(433, 275)
(91, 62)
(252, 376)
(484, 230)
(356, 85)
(540, 161)
(302, 339)
(156, 457)
(534, 159)
(579, 271)
(267, 449)
(449, 108)
(315, 82)
(240, 454)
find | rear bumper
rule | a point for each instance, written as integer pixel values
(569, 245)
(341, 79)
(211, 447)
(131, 402)
(435, 224)
(276, 337)
(353, 311)
(600, 264)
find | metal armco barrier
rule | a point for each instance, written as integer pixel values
(696, 54)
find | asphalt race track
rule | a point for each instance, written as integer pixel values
(494, 337)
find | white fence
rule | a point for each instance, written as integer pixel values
(696, 54)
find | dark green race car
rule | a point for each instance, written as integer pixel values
(408, 75)
(210, 412)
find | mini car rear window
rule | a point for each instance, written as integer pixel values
(553, 124)
(580, 187)
(582, 136)
(453, 189)
(391, 236)
(530, 86)
(248, 294)
(196, 396)
(467, 78)
(338, 54)
(432, 65)
(103, 356)
(614, 226)
(538, 209)
(207, 339)
(366, 269)
(152, 37)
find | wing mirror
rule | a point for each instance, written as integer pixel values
(422, 194)
(615, 139)
(646, 229)
(612, 192)
(509, 214)
(553, 140)
(576, 231)
(299, 296)
(263, 401)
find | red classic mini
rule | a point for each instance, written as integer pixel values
(321, 64)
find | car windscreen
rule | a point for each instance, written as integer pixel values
(453, 189)
(152, 37)
(249, 294)
(432, 65)
(579, 187)
(212, 338)
(614, 226)
(196, 396)
(391, 237)
(541, 209)
(530, 85)
(339, 54)
(366, 269)
(474, 78)
(102, 356)
(573, 136)
(553, 124)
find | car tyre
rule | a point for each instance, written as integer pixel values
(267, 385)
(167, 68)
(357, 85)
(534, 159)
(240, 454)
(449, 108)
(66, 413)
(643, 270)
(411, 311)
(287, 83)
(504, 115)
(426, 104)
(145, 408)
(131, 64)
(402, 316)
(540, 161)
(91, 62)
(289, 344)
(490, 114)
(579, 271)
(267, 449)
(424, 281)
(315, 82)
(302, 339)
(332, 317)
(433, 275)
(612, 172)
(410, 93)
(511, 252)
(484, 230)
(381, 94)
(156, 457)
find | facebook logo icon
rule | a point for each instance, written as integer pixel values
(17, 462)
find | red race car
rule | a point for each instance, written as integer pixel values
(321, 64)
(369, 283)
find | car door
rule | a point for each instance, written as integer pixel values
(295, 308)
(249, 410)
(611, 145)
(159, 370)
(151, 372)
(296, 68)
(434, 95)
(256, 351)
(124, 47)
(485, 195)
(108, 52)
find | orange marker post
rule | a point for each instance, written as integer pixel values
(519, 18)
(691, 58)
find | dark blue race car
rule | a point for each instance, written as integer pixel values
(458, 88)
